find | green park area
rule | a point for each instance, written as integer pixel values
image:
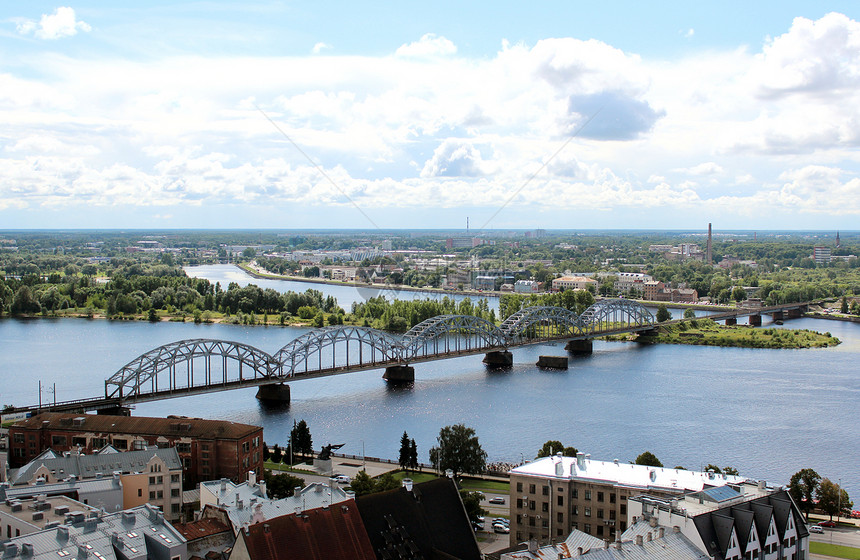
(834, 550)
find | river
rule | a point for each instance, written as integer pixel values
(768, 413)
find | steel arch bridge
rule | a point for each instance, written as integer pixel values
(169, 370)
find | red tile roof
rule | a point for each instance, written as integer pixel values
(318, 534)
(201, 528)
(176, 426)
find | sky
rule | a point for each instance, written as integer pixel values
(516, 115)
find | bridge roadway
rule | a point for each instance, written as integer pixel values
(153, 376)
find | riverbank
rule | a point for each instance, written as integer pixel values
(705, 332)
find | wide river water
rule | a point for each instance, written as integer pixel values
(768, 413)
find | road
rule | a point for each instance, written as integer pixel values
(838, 535)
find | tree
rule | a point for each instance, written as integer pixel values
(458, 450)
(277, 454)
(802, 486)
(689, 313)
(300, 438)
(832, 498)
(730, 471)
(649, 459)
(266, 452)
(362, 484)
(472, 503)
(663, 313)
(739, 294)
(413, 455)
(553, 447)
(281, 485)
(844, 307)
(404, 451)
(715, 468)
(24, 302)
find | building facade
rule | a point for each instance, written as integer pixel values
(208, 448)
(573, 283)
(552, 496)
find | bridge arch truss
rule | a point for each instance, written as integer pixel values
(161, 369)
(450, 334)
(611, 314)
(333, 348)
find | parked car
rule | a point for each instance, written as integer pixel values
(501, 529)
(816, 529)
(497, 500)
(855, 514)
(341, 479)
(829, 523)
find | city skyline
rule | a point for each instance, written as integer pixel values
(558, 116)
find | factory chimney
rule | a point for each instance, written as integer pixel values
(708, 255)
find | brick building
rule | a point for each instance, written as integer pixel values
(208, 448)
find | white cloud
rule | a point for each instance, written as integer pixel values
(688, 34)
(427, 129)
(320, 47)
(62, 23)
(428, 46)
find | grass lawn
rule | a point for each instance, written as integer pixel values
(471, 484)
(836, 550)
(286, 468)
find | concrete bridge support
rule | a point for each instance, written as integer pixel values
(552, 362)
(778, 316)
(579, 347)
(755, 320)
(795, 313)
(399, 374)
(731, 321)
(275, 393)
(499, 359)
(114, 411)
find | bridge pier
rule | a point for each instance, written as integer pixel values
(795, 313)
(114, 411)
(731, 321)
(778, 315)
(579, 346)
(755, 320)
(399, 374)
(499, 359)
(552, 362)
(647, 337)
(276, 392)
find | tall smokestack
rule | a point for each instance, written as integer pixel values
(708, 255)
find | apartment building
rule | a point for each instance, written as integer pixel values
(552, 496)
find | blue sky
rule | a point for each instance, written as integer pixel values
(518, 115)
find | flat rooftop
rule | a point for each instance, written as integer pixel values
(41, 511)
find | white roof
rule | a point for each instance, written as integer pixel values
(624, 474)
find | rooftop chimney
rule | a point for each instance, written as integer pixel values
(661, 532)
(252, 478)
(407, 483)
(639, 540)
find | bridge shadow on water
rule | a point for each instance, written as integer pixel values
(399, 388)
(273, 408)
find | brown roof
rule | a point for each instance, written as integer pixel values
(201, 528)
(322, 533)
(175, 426)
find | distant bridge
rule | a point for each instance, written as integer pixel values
(198, 366)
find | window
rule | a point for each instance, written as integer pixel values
(560, 500)
(152, 494)
(186, 463)
(174, 479)
(151, 480)
(588, 512)
(256, 456)
(246, 447)
(159, 495)
(586, 528)
(519, 503)
(519, 486)
(174, 508)
(82, 441)
(205, 455)
(611, 514)
(588, 494)
(140, 492)
(257, 441)
(18, 452)
(560, 517)
(622, 509)
(545, 490)
(574, 525)
(139, 445)
(531, 521)
(204, 446)
(600, 513)
(519, 519)
(600, 530)
(623, 526)
(612, 498)
(121, 444)
(174, 493)
(532, 505)
(98, 442)
(18, 438)
(574, 493)
(183, 448)
(574, 510)
(544, 507)
(58, 441)
(600, 496)
(531, 488)
(159, 479)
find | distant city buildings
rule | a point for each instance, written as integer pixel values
(573, 283)
(821, 255)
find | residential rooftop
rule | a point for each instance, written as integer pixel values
(583, 468)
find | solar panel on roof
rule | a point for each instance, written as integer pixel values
(721, 493)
